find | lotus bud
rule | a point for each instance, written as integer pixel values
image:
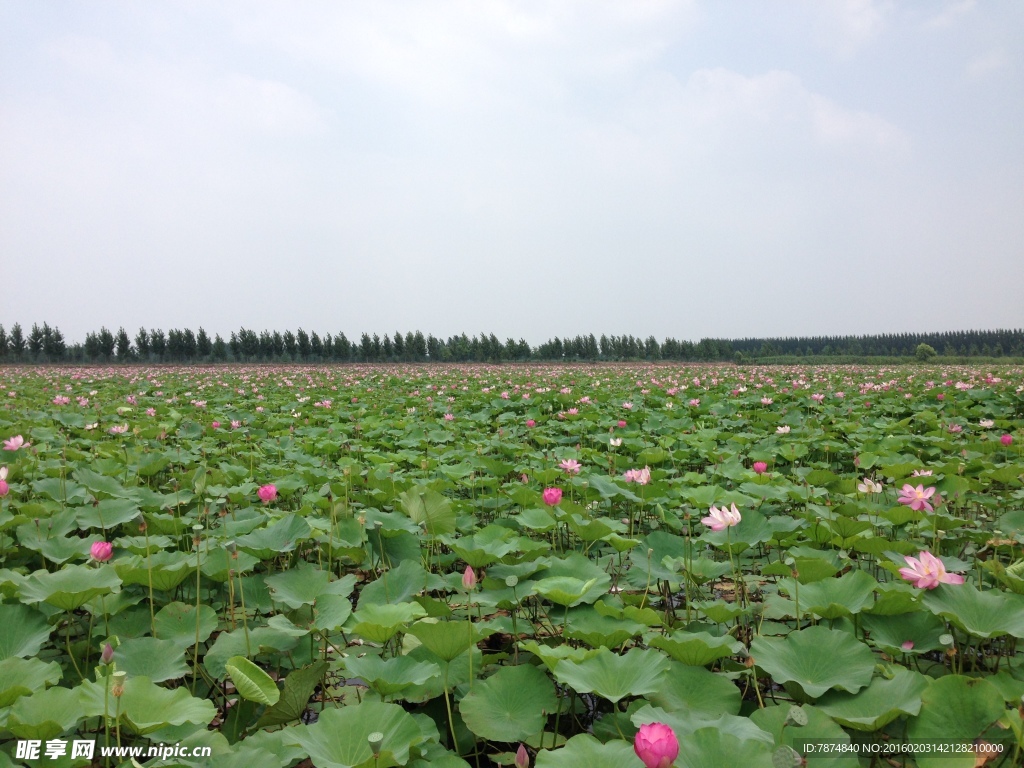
(108, 654)
(522, 757)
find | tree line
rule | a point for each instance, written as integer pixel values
(46, 344)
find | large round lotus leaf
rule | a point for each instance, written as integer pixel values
(330, 612)
(486, 546)
(510, 705)
(69, 588)
(955, 709)
(297, 586)
(697, 649)
(697, 690)
(832, 598)
(819, 726)
(251, 682)
(552, 654)
(399, 584)
(890, 633)
(389, 676)
(429, 509)
(23, 677)
(577, 566)
(613, 677)
(752, 530)
(584, 751)
(816, 659)
(265, 749)
(23, 630)
(447, 639)
(879, 704)
(984, 614)
(238, 642)
(712, 748)
(46, 714)
(146, 706)
(299, 687)
(166, 570)
(340, 738)
(159, 660)
(588, 626)
(177, 622)
(564, 590)
(379, 623)
(686, 722)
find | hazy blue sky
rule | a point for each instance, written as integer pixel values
(532, 169)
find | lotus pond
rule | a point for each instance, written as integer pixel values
(432, 566)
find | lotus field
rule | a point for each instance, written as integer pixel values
(593, 566)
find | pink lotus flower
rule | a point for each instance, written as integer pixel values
(552, 496)
(720, 519)
(215, 425)
(4, 488)
(928, 572)
(694, 403)
(267, 493)
(101, 551)
(571, 466)
(151, 411)
(14, 443)
(940, 396)
(783, 430)
(656, 745)
(468, 578)
(641, 476)
(449, 417)
(1006, 440)
(986, 423)
(766, 401)
(61, 400)
(916, 498)
(760, 467)
(622, 424)
(817, 397)
(235, 424)
(907, 645)
(531, 423)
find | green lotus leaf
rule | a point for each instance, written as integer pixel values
(251, 682)
(71, 587)
(983, 614)
(955, 709)
(819, 726)
(696, 648)
(564, 590)
(45, 714)
(159, 660)
(891, 634)
(595, 629)
(817, 659)
(447, 639)
(146, 707)
(297, 586)
(177, 622)
(879, 704)
(340, 738)
(511, 705)
(696, 690)
(429, 509)
(23, 677)
(299, 687)
(832, 598)
(584, 751)
(23, 631)
(378, 623)
(390, 676)
(636, 673)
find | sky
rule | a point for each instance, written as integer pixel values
(679, 168)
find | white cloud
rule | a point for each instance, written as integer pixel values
(952, 13)
(990, 62)
(846, 26)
